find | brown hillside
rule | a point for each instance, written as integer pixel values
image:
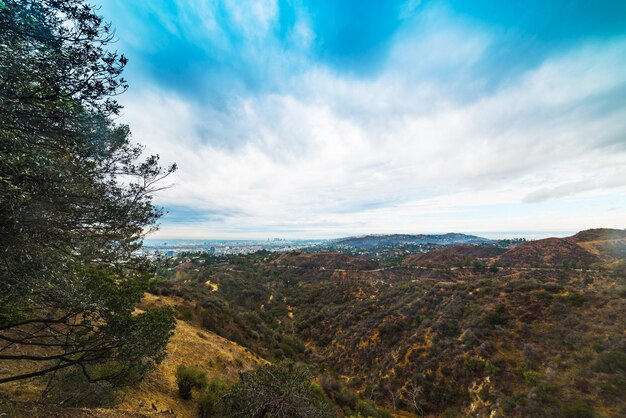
(599, 234)
(191, 346)
(327, 260)
(549, 252)
(452, 256)
(531, 343)
(609, 244)
(11, 408)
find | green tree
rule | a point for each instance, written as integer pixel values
(210, 403)
(75, 202)
(277, 391)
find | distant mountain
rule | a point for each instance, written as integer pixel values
(392, 240)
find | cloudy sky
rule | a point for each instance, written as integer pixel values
(325, 118)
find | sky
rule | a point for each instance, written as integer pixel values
(327, 118)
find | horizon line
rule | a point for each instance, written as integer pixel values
(535, 234)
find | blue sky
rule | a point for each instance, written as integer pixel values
(308, 119)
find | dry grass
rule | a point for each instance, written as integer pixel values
(191, 346)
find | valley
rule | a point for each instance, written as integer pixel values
(516, 331)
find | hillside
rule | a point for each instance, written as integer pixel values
(599, 234)
(327, 260)
(394, 240)
(608, 244)
(510, 342)
(11, 408)
(436, 341)
(549, 252)
(456, 255)
(190, 345)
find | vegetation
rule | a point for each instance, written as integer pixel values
(211, 402)
(188, 378)
(280, 391)
(430, 341)
(481, 330)
(75, 202)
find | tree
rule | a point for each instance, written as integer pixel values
(414, 393)
(75, 202)
(277, 391)
(210, 402)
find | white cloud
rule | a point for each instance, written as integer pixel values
(333, 155)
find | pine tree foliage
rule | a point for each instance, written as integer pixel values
(75, 201)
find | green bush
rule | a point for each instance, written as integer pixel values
(210, 402)
(577, 298)
(547, 392)
(577, 410)
(366, 409)
(479, 265)
(490, 368)
(189, 378)
(498, 316)
(184, 314)
(610, 362)
(277, 390)
(531, 377)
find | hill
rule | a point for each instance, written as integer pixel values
(608, 244)
(599, 234)
(190, 345)
(327, 260)
(394, 240)
(512, 342)
(462, 342)
(452, 256)
(32, 409)
(549, 252)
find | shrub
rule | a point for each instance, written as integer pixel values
(490, 368)
(479, 265)
(577, 298)
(547, 392)
(210, 402)
(531, 377)
(366, 409)
(610, 362)
(184, 314)
(189, 378)
(497, 316)
(577, 410)
(337, 393)
(279, 391)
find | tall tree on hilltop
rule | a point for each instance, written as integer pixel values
(75, 202)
